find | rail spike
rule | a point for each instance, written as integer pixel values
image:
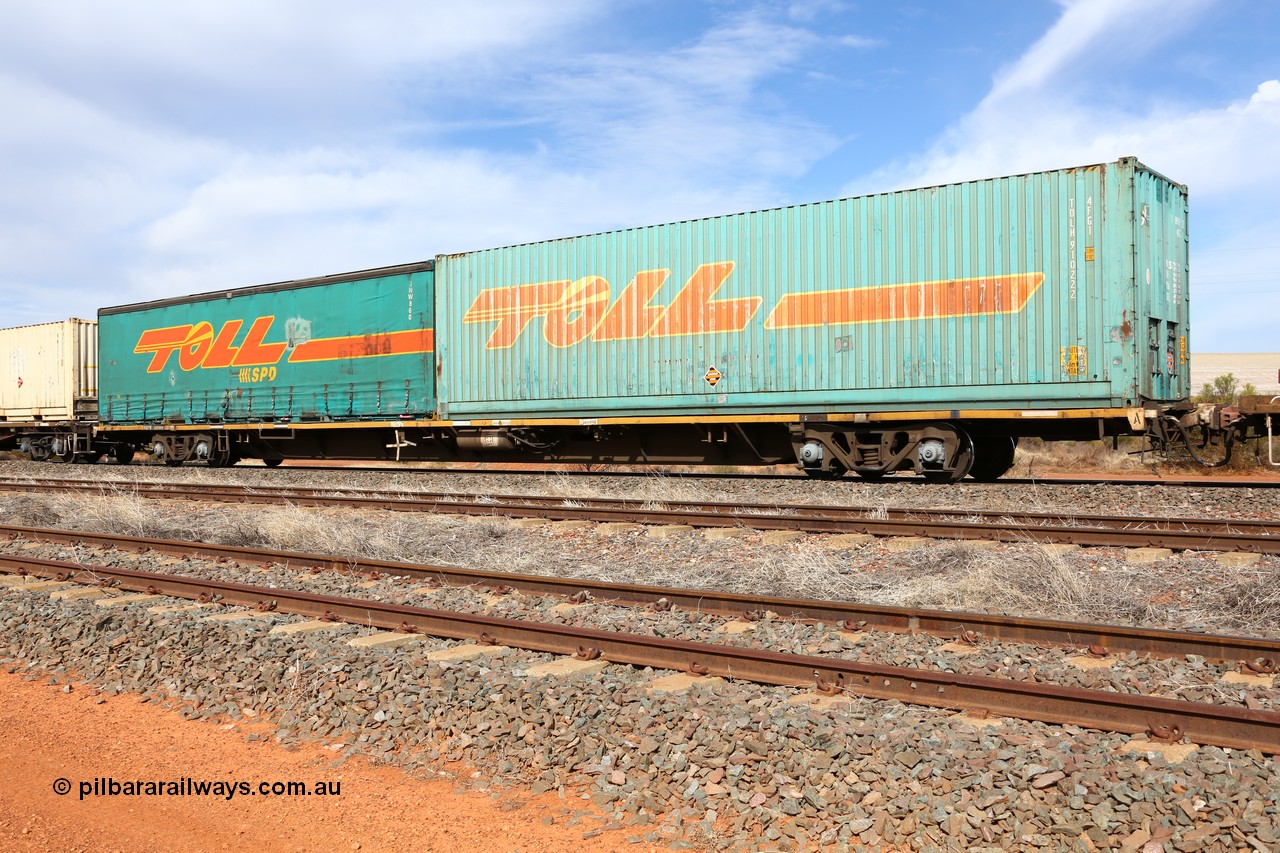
(1261, 666)
(829, 686)
(1158, 733)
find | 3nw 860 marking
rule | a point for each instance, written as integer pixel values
(575, 310)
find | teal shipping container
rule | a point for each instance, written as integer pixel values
(1058, 290)
(351, 347)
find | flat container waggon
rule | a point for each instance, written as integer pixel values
(923, 330)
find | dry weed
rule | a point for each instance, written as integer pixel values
(1036, 457)
(1023, 580)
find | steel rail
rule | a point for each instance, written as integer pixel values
(1127, 531)
(493, 503)
(411, 501)
(1240, 728)
(1261, 653)
(570, 470)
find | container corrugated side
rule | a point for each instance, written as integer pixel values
(357, 346)
(1011, 292)
(48, 371)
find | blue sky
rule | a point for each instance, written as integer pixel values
(155, 148)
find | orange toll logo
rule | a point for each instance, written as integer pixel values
(576, 310)
(199, 347)
(573, 311)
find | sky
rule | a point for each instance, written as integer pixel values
(153, 149)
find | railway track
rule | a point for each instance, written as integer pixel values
(1199, 534)
(1205, 482)
(1167, 719)
(1101, 639)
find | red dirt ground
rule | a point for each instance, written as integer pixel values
(48, 735)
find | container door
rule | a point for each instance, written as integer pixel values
(1161, 270)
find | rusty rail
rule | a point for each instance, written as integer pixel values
(1128, 531)
(977, 627)
(1240, 728)
(574, 470)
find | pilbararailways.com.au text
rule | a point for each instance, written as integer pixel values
(188, 787)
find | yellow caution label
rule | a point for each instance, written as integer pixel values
(1074, 360)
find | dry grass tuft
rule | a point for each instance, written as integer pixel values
(1245, 601)
(30, 510)
(1023, 580)
(1036, 457)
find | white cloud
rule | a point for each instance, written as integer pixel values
(270, 52)
(858, 41)
(1042, 112)
(175, 168)
(118, 113)
(1092, 32)
(76, 181)
(691, 112)
(807, 11)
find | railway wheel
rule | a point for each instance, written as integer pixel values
(122, 453)
(273, 463)
(993, 457)
(173, 463)
(870, 476)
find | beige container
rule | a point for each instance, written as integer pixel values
(49, 372)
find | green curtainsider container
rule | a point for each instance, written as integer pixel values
(351, 347)
(1062, 289)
